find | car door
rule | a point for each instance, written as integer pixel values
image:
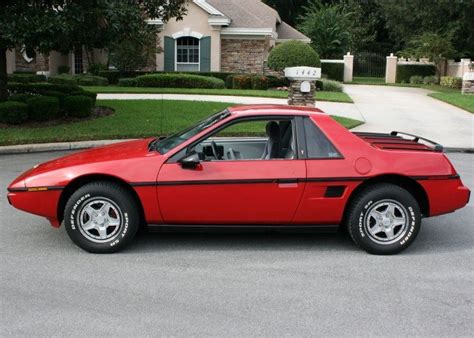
(257, 191)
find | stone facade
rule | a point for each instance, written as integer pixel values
(298, 98)
(243, 56)
(40, 63)
(468, 87)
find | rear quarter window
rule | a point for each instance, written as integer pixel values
(317, 143)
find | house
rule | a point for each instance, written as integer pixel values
(214, 35)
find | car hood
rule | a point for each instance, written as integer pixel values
(112, 152)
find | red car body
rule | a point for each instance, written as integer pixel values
(282, 192)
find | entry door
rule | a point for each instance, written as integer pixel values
(232, 192)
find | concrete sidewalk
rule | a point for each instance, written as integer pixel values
(386, 108)
(332, 108)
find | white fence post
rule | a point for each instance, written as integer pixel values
(348, 67)
(391, 69)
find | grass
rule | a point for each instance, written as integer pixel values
(132, 119)
(457, 99)
(367, 80)
(321, 96)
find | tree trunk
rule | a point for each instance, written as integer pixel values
(3, 74)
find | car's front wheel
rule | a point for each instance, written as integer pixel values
(101, 217)
(384, 219)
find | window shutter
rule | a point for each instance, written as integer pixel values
(169, 54)
(205, 54)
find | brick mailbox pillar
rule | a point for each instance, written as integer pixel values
(468, 83)
(302, 85)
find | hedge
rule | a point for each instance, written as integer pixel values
(405, 72)
(40, 88)
(13, 112)
(113, 76)
(20, 97)
(127, 82)
(331, 86)
(78, 106)
(66, 79)
(26, 78)
(92, 80)
(333, 71)
(83, 80)
(242, 81)
(91, 95)
(43, 108)
(179, 81)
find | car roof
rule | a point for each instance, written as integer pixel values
(273, 109)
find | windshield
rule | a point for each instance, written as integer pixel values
(165, 145)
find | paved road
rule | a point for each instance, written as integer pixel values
(240, 284)
(387, 108)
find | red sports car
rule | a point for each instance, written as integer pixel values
(248, 165)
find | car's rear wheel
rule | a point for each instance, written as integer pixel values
(101, 217)
(384, 219)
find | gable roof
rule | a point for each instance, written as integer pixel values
(251, 14)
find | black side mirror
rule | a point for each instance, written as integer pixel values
(190, 161)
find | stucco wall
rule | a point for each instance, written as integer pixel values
(195, 21)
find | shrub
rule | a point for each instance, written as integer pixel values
(451, 82)
(127, 82)
(20, 97)
(12, 112)
(416, 79)
(43, 108)
(333, 71)
(60, 96)
(291, 54)
(179, 81)
(259, 82)
(26, 78)
(430, 80)
(404, 72)
(90, 95)
(319, 85)
(78, 106)
(96, 68)
(114, 75)
(331, 86)
(63, 69)
(92, 80)
(242, 82)
(65, 79)
(277, 81)
(39, 88)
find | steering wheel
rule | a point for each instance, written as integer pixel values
(214, 150)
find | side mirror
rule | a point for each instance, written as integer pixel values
(190, 161)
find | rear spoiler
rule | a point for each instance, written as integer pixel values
(395, 141)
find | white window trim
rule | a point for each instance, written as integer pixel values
(176, 63)
(187, 32)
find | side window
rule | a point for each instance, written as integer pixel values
(317, 143)
(262, 139)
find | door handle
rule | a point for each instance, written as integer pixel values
(287, 180)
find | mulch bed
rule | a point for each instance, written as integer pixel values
(97, 112)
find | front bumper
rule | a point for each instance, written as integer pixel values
(41, 203)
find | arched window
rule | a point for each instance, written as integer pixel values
(187, 54)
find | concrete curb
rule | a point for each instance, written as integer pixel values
(45, 147)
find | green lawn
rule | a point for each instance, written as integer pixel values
(321, 96)
(132, 119)
(367, 80)
(456, 99)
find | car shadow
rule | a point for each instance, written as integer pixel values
(240, 240)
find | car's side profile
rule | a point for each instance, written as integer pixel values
(248, 165)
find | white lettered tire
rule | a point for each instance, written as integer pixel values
(101, 217)
(384, 219)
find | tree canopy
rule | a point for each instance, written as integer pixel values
(42, 26)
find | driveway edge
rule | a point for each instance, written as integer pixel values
(45, 147)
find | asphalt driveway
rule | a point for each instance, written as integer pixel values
(387, 108)
(206, 283)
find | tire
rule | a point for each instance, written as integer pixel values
(384, 219)
(101, 217)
